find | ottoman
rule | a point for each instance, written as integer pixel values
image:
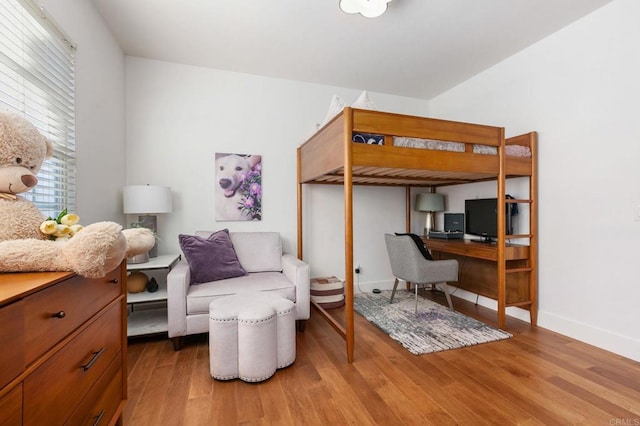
(250, 336)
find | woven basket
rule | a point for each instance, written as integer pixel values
(328, 292)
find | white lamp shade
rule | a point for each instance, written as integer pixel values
(429, 202)
(146, 199)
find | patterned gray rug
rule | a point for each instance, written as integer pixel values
(434, 329)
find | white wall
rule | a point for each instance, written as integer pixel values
(579, 89)
(179, 116)
(100, 114)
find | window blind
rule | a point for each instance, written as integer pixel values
(37, 65)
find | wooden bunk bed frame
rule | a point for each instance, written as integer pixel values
(330, 157)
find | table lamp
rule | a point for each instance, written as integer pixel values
(147, 201)
(429, 203)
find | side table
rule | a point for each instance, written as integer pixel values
(147, 312)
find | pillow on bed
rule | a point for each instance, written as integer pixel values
(517, 151)
(212, 258)
(363, 102)
(420, 244)
(335, 107)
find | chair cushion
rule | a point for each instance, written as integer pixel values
(420, 244)
(199, 297)
(258, 251)
(212, 258)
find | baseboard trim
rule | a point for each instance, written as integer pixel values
(604, 339)
(619, 344)
(367, 287)
(518, 313)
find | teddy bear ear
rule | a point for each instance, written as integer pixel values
(49, 146)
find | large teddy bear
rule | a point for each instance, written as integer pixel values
(92, 252)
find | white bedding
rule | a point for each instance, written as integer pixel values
(510, 150)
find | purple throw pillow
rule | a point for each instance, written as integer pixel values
(212, 258)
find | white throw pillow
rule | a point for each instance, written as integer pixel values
(363, 102)
(335, 107)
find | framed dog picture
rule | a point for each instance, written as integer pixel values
(238, 193)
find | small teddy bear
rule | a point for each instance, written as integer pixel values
(92, 252)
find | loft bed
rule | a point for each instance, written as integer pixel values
(420, 152)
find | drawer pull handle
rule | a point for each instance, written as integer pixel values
(93, 359)
(99, 418)
(60, 314)
(114, 281)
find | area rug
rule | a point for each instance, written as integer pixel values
(434, 329)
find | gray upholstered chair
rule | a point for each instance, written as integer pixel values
(409, 264)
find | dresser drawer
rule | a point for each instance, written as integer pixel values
(103, 400)
(12, 338)
(11, 407)
(53, 313)
(56, 388)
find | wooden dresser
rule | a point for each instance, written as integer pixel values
(63, 348)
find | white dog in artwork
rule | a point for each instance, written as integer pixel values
(230, 170)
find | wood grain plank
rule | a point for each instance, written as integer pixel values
(174, 402)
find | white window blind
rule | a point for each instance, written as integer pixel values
(37, 80)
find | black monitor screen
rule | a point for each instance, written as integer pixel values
(481, 217)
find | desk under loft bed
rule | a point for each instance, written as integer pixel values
(431, 153)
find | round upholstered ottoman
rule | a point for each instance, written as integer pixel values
(250, 336)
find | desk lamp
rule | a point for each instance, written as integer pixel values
(147, 201)
(429, 203)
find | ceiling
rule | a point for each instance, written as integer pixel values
(418, 48)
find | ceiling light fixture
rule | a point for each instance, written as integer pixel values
(366, 8)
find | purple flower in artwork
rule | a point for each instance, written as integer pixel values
(255, 189)
(251, 191)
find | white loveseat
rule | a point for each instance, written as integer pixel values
(269, 270)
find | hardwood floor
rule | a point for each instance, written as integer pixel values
(536, 377)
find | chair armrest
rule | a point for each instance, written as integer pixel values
(178, 280)
(298, 272)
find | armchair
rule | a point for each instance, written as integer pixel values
(408, 264)
(269, 270)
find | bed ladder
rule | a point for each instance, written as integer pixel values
(529, 266)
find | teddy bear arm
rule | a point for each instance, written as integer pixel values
(92, 253)
(99, 248)
(32, 255)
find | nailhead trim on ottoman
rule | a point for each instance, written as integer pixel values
(250, 336)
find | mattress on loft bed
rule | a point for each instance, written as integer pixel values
(510, 150)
